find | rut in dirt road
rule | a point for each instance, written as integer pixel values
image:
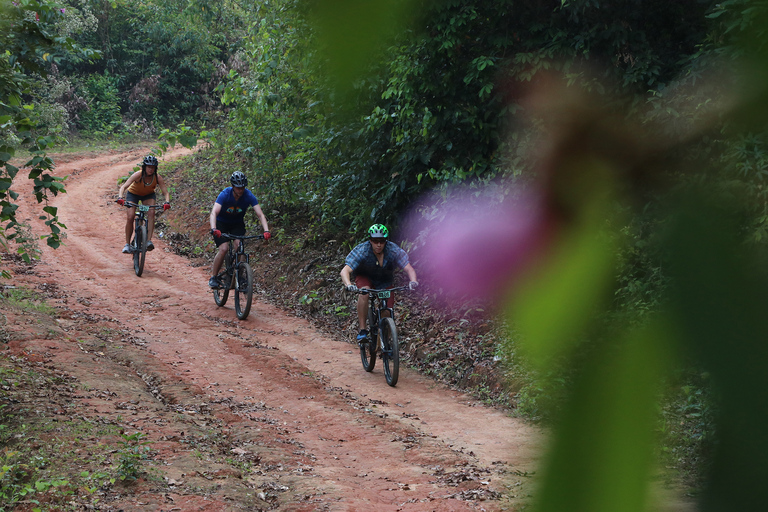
(299, 398)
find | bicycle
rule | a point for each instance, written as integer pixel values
(382, 332)
(237, 275)
(139, 241)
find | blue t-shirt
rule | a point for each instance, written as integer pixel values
(233, 212)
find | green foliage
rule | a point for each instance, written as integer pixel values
(164, 58)
(103, 112)
(687, 427)
(134, 450)
(28, 37)
(17, 481)
(433, 109)
(183, 134)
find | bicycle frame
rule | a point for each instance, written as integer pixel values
(236, 256)
(142, 210)
(378, 301)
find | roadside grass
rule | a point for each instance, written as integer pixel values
(83, 145)
(27, 300)
(51, 456)
(686, 428)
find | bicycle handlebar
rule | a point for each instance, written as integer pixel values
(366, 291)
(129, 204)
(227, 236)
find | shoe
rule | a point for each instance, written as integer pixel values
(362, 335)
(127, 249)
(214, 282)
(150, 245)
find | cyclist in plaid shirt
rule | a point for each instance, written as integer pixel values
(373, 264)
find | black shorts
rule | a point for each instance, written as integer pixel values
(232, 229)
(133, 198)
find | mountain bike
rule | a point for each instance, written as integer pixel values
(237, 275)
(382, 333)
(139, 242)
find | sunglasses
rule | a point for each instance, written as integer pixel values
(378, 240)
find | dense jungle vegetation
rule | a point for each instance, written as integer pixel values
(636, 130)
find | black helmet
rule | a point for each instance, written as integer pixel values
(150, 160)
(238, 179)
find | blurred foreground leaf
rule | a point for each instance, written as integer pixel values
(602, 454)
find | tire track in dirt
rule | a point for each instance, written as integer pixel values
(351, 441)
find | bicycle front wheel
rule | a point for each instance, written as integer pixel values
(368, 347)
(243, 290)
(390, 351)
(220, 294)
(139, 249)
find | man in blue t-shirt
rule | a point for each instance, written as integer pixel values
(228, 216)
(373, 264)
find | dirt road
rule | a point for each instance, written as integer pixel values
(265, 413)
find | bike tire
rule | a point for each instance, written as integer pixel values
(243, 290)
(390, 352)
(368, 348)
(140, 249)
(220, 294)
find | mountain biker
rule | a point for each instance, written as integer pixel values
(228, 216)
(373, 264)
(141, 187)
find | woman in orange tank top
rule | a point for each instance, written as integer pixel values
(141, 187)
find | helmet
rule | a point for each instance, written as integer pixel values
(149, 160)
(238, 179)
(378, 231)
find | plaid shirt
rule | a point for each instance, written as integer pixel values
(363, 262)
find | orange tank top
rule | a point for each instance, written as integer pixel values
(141, 188)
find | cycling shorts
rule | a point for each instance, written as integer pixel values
(232, 229)
(133, 198)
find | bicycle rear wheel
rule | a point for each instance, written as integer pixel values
(139, 249)
(390, 351)
(243, 290)
(368, 347)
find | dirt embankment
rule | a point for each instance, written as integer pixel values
(265, 413)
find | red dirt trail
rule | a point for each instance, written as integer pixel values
(328, 434)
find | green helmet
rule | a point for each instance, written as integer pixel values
(378, 231)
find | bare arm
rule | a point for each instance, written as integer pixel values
(135, 176)
(346, 275)
(163, 188)
(214, 213)
(262, 218)
(411, 272)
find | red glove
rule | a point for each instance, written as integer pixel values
(267, 236)
(166, 206)
(216, 233)
(120, 201)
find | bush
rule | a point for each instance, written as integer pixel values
(103, 113)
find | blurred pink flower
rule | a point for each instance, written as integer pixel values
(477, 248)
